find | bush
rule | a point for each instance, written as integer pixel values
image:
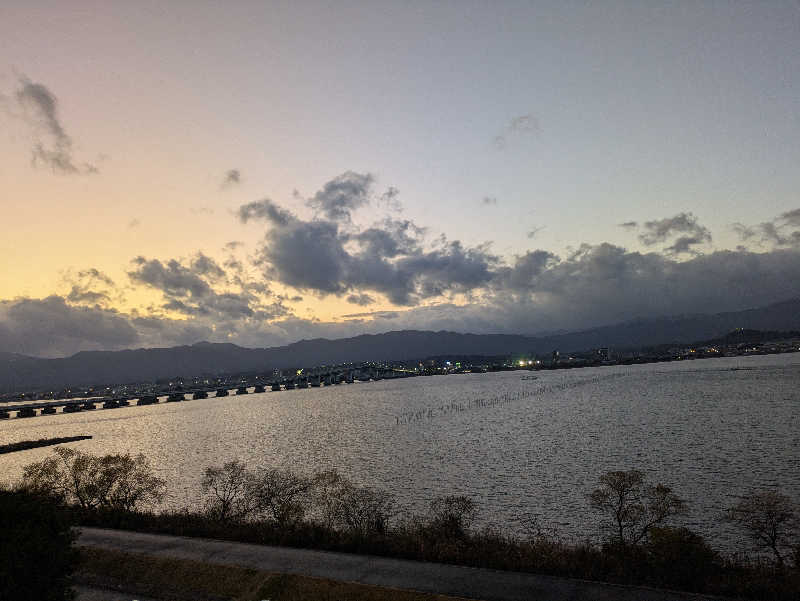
(451, 516)
(358, 510)
(681, 559)
(91, 481)
(36, 553)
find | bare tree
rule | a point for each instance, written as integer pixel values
(281, 495)
(346, 506)
(228, 489)
(91, 481)
(770, 519)
(633, 506)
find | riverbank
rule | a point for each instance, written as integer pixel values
(678, 561)
(152, 564)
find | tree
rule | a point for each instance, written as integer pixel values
(36, 548)
(228, 489)
(358, 509)
(634, 505)
(770, 519)
(280, 495)
(451, 516)
(91, 481)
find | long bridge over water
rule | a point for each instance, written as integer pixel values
(314, 378)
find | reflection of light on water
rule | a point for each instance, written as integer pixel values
(707, 431)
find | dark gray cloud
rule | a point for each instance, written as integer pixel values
(232, 178)
(782, 231)
(53, 146)
(388, 258)
(360, 299)
(684, 227)
(519, 125)
(342, 195)
(191, 288)
(539, 291)
(172, 278)
(264, 209)
(52, 327)
(791, 218)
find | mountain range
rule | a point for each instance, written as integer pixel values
(19, 372)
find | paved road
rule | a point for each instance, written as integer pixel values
(90, 593)
(458, 581)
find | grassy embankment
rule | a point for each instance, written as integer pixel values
(185, 580)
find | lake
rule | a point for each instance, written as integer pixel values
(711, 429)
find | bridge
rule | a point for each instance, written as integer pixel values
(313, 378)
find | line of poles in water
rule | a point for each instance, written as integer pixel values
(453, 407)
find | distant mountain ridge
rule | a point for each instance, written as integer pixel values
(109, 367)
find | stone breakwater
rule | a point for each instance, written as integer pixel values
(453, 407)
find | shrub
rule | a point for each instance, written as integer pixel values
(451, 516)
(36, 553)
(681, 558)
(358, 509)
(91, 481)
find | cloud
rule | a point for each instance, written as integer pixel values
(518, 126)
(782, 231)
(89, 287)
(52, 327)
(360, 299)
(390, 200)
(629, 225)
(532, 233)
(661, 230)
(342, 195)
(266, 210)
(387, 258)
(53, 146)
(232, 177)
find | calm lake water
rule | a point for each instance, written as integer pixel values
(711, 429)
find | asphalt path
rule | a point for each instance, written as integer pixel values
(457, 581)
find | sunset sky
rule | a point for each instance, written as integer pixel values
(262, 172)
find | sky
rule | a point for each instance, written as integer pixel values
(264, 172)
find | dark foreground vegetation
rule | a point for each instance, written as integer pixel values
(24, 445)
(326, 511)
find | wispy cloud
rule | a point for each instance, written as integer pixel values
(521, 125)
(52, 146)
(233, 177)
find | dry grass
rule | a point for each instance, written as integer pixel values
(185, 580)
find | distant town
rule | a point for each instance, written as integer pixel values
(179, 388)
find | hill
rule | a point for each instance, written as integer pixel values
(19, 372)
